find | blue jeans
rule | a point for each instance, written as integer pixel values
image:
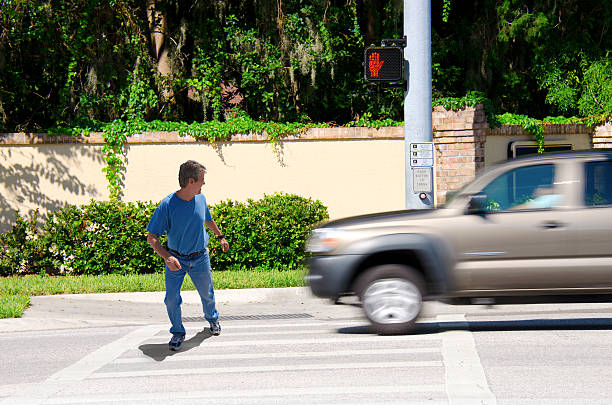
(198, 269)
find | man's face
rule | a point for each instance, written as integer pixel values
(196, 185)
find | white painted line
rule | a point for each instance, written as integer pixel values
(258, 334)
(282, 332)
(39, 393)
(250, 394)
(265, 369)
(276, 324)
(465, 378)
(34, 394)
(188, 356)
(219, 342)
(104, 355)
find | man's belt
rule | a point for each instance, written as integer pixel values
(189, 256)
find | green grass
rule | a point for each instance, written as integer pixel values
(15, 291)
(12, 306)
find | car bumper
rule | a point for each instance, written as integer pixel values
(331, 276)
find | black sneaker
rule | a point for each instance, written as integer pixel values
(176, 342)
(215, 328)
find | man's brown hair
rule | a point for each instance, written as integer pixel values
(190, 170)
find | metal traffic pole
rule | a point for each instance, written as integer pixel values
(418, 135)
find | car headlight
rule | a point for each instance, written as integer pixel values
(324, 240)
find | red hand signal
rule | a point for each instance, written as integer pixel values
(374, 63)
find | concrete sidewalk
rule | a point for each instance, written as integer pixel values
(122, 309)
(237, 296)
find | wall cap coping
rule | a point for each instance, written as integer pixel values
(549, 129)
(311, 134)
(315, 134)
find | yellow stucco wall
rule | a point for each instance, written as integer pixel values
(496, 146)
(48, 177)
(349, 176)
(350, 170)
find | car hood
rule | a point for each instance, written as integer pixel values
(372, 219)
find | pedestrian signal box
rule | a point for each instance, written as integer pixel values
(384, 64)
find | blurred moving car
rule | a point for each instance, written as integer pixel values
(535, 227)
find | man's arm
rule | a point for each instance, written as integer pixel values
(171, 261)
(212, 225)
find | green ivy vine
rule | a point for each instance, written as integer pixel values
(535, 126)
(531, 125)
(471, 99)
(367, 122)
(116, 133)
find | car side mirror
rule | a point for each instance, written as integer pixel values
(477, 204)
(451, 194)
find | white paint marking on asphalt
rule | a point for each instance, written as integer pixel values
(104, 355)
(264, 369)
(250, 394)
(33, 395)
(276, 324)
(80, 370)
(281, 332)
(180, 357)
(218, 342)
(252, 334)
(268, 324)
(465, 378)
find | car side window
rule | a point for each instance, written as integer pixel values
(529, 187)
(598, 186)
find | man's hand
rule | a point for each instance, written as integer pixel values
(224, 245)
(173, 263)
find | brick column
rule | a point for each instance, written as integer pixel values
(602, 136)
(459, 138)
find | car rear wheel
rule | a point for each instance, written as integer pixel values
(392, 297)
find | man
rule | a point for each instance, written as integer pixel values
(183, 215)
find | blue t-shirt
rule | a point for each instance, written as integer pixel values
(183, 221)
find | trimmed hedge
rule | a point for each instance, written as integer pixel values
(109, 237)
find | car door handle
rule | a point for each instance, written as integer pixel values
(552, 225)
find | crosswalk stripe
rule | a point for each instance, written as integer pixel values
(78, 371)
(279, 332)
(265, 324)
(261, 369)
(234, 325)
(360, 339)
(465, 378)
(271, 355)
(251, 394)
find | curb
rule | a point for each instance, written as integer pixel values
(54, 314)
(228, 296)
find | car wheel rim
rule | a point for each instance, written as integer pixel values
(392, 300)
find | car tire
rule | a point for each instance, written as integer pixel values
(392, 297)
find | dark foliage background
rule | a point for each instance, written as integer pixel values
(75, 62)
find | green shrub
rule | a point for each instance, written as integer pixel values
(109, 237)
(268, 233)
(21, 249)
(101, 237)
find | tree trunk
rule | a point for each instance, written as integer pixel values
(158, 28)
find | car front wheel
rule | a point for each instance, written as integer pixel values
(392, 297)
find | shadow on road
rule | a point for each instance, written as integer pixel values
(159, 352)
(492, 326)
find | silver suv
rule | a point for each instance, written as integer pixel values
(531, 229)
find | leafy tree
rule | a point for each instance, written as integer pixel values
(528, 56)
(82, 62)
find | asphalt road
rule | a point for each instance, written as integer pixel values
(288, 347)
